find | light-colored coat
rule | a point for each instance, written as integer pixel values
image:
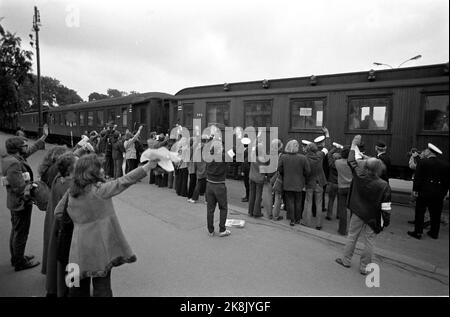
(98, 243)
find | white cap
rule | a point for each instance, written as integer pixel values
(306, 142)
(319, 139)
(434, 148)
(339, 146)
(246, 141)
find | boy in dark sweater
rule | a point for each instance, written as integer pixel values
(216, 190)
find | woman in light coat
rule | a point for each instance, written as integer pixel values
(98, 243)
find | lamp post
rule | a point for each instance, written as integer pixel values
(36, 24)
(409, 59)
(380, 64)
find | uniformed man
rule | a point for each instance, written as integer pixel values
(430, 187)
(380, 148)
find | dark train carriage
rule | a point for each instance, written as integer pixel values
(149, 109)
(405, 108)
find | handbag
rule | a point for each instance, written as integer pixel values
(64, 233)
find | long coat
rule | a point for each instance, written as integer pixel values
(98, 243)
(48, 177)
(55, 280)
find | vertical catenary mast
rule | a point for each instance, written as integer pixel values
(36, 24)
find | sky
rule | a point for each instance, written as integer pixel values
(168, 45)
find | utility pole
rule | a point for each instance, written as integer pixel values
(36, 24)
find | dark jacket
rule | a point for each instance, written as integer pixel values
(317, 175)
(13, 167)
(367, 193)
(431, 179)
(117, 150)
(293, 169)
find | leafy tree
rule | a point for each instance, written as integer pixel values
(96, 96)
(15, 65)
(115, 93)
(53, 92)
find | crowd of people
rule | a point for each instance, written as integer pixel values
(81, 225)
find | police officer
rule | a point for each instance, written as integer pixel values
(430, 187)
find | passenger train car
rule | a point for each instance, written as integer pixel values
(148, 109)
(404, 108)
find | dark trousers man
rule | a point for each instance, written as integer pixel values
(101, 286)
(20, 221)
(118, 168)
(246, 183)
(192, 183)
(294, 205)
(342, 210)
(109, 166)
(254, 200)
(216, 194)
(131, 164)
(181, 179)
(151, 179)
(434, 205)
(200, 188)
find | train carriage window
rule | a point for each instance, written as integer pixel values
(82, 122)
(100, 119)
(436, 113)
(124, 117)
(188, 114)
(368, 113)
(307, 113)
(258, 113)
(218, 112)
(111, 116)
(90, 118)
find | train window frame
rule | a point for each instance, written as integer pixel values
(90, 118)
(97, 118)
(387, 130)
(186, 123)
(324, 100)
(223, 103)
(423, 100)
(124, 113)
(82, 118)
(248, 102)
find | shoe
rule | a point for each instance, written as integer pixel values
(244, 200)
(270, 217)
(224, 233)
(29, 257)
(318, 228)
(328, 218)
(432, 236)
(278, 218)
(211, 234)
(292, 223)
(415, 234)
(26, 265)
(191, 201)
(339, 261)
(297, 222)
(257, 216)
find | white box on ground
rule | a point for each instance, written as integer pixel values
(235, 223)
